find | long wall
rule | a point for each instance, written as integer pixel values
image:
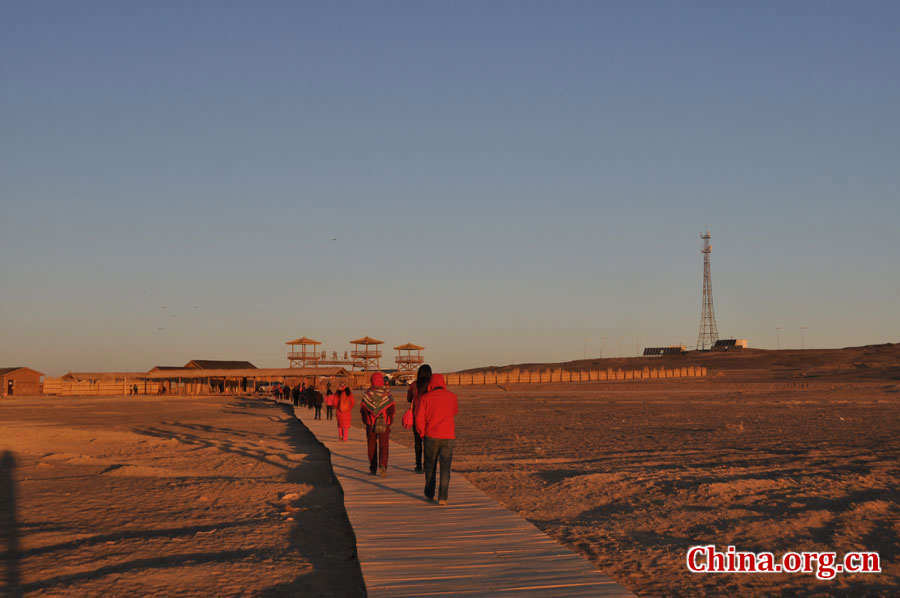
(560, 375)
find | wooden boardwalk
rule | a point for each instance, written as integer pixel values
(470, 547)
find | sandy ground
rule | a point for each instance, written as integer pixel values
(168, 496)
(233, 497)
(632, 474)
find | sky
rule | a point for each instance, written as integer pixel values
(501, 182)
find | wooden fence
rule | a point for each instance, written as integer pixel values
(561, 375)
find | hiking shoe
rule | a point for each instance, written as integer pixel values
(419, 470)
(442, 502)
(372, 472)
(383, 472)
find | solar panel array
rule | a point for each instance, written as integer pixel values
(726, 344)
(652, 351)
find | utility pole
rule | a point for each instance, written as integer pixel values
(802, 337)
(778, 330)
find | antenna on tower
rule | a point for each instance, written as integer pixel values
(709, 334)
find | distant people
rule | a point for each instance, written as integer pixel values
(295, 394)
(302, 402)
(377, 410)
(286, 393)
(435, 424)
(344, 407)
(317, 400)
(134, 389)
(329, 403)
(415, 392)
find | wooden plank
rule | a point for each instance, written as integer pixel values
(470, 547)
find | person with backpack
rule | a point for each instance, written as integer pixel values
(344, 407)
(377, 410)
(435, 424)
(414, 394)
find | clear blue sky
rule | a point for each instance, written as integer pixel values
(505, 179)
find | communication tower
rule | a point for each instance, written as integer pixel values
(709, 334)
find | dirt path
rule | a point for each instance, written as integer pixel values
(168, 496)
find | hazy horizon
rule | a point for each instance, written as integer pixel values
(502, 183)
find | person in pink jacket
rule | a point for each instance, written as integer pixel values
(435, 423)
(343, 407)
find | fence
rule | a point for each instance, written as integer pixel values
(561, 375)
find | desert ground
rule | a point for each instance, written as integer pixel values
(775, 451)
(177, 496)
(229, 496)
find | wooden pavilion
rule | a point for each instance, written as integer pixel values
(367, 359)
(409, 363)
(303, 358)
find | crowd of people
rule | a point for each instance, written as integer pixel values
(431, 415)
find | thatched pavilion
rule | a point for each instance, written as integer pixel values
(367, 359)
(303, 358)
(409, 362)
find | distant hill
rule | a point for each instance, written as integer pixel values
(866, 362)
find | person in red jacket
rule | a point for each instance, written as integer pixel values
(377, 410)
(435, 424)
(415, 392)
(344, 408)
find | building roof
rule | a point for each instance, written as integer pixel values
(213, 364)
(194, 373)
(160, 368)
(367, 340)
(77, 376)
(409, 347)
(303, 341)
(4, 371)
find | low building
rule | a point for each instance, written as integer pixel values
(20, 381)
(213, 364)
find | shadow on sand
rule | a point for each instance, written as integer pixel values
(9, 530)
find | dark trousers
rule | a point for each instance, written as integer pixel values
(329, 411)
(438, 449)
(318, 412)
(378, 448)
(418, 444)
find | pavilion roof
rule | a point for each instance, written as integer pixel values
(409, 347)
(367, 340)
(303, 341)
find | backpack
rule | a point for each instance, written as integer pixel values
(380, 425)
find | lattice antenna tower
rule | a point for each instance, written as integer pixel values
(709, 334)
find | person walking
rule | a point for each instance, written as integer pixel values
(286, 393)
(295, 394)
(316, 400)
(435, 424)
(377, 410)
(415, 392)
(344, 407)
(329, 402)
